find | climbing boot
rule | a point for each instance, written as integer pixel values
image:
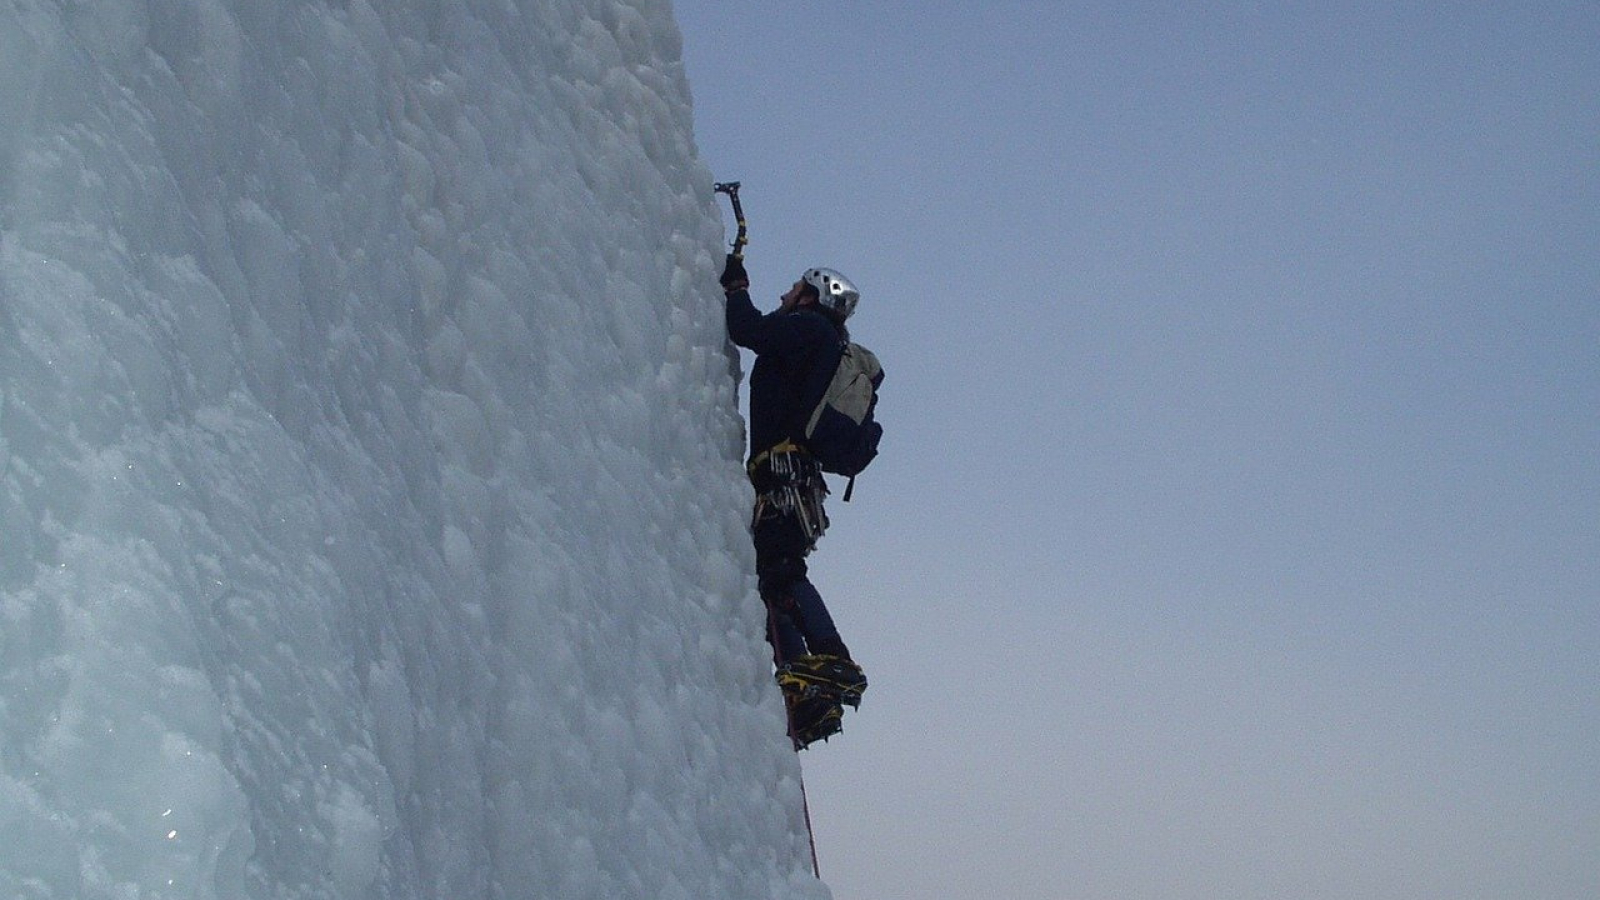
(818, 675)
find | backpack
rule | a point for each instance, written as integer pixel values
(841, 434)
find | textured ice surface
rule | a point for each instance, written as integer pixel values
(369, 462)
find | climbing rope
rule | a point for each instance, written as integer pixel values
(788, 714)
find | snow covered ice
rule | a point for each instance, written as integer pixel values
(374, 525)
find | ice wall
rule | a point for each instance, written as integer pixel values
(373, 522)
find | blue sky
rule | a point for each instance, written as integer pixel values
(1238, 528)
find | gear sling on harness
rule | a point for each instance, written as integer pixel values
(789, 483)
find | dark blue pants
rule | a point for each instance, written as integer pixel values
(797, 620)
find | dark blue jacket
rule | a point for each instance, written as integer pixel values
(797, 353)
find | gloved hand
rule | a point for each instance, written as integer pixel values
(734, 276)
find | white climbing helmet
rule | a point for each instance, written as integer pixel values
(834, 291)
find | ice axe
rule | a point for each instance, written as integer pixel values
(731, 188)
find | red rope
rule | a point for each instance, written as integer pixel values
(788, 714)
(805, 805)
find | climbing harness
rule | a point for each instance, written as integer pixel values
(789, 483)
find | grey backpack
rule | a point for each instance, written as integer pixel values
(842, 434)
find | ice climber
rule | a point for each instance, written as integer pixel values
(798, 348)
